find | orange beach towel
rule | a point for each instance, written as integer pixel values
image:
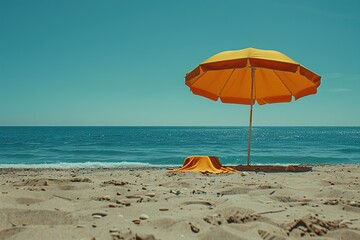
(204, 164)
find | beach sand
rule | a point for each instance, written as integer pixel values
(153, 203)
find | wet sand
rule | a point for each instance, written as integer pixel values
(153, 203)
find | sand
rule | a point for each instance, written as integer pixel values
(154, 203)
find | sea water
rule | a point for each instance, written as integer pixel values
(70, 147)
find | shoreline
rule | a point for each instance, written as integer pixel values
(153, 203)
(163, 167)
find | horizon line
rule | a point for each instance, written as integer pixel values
(179, 126)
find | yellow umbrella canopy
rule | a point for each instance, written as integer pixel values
(252, 75)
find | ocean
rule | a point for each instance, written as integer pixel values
(73, 147)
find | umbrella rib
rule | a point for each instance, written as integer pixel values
(227, 80)
(198, 78)
(283, 83)
(254, 97)
(301, 66)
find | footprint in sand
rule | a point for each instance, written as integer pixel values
(37, 217)
(265, 235)
(235, 191)
(284, 199)
(62, 184)
(9, 232)
(28, 201)
(17, 219)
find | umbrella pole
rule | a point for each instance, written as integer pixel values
(251, 110)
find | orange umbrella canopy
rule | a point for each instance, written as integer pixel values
(228, 76)
(252, 75)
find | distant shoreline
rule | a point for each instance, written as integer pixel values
(170, 126)
(162, 167)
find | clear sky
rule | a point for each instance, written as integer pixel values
(123, 62)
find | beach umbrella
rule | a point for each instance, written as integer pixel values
(252, 75)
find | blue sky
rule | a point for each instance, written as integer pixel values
(123, 62)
